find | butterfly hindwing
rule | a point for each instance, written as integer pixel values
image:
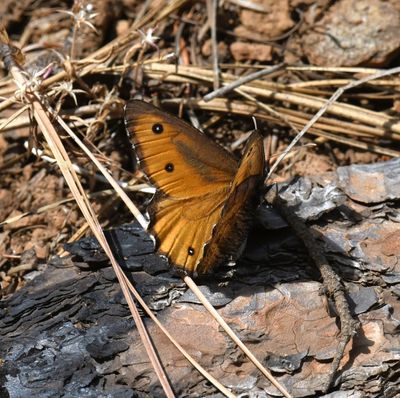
(182, 228)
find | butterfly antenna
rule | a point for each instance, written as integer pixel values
(255, 122)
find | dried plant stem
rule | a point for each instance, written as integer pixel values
(134, 210)
(212, 10)
(52, 206)
(74, 41)
(13, 117)
(58, 150)
(245, 109)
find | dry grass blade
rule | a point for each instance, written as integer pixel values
(13, 117)
(104, 179)
(139, 217)
(239, 82)
(212, 10)
(72, 180)
(357, 144)
(15, 121)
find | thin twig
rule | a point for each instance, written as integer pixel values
(212, 9)
(331, 281)
(239, 82)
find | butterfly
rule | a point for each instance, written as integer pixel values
(205, 199)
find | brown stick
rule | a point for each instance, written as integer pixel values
(331, 281)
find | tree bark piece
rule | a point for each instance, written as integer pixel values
(68, 332)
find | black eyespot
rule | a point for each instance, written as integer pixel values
(191, 251)
(157, 128)
(169, 167)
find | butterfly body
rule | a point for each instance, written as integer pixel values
(205, 201)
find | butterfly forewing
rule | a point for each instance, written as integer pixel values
(179, 160)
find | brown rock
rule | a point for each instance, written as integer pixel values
(206, 49)
(255, 52)
(122, 27)
(6, 200)
(272, 23)
(355, 32)
(42, 252)
(267, 320)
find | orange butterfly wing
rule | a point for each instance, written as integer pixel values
(197, 181)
